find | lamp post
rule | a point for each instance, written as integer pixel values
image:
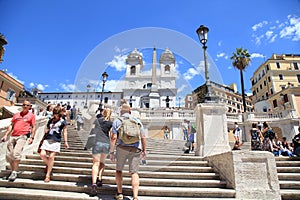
(179, 98)
(87, 93)
(104, 79)
(202, 34)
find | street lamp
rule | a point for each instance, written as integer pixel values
(87, 93)
(179, 101)
(202, 34)
(104, 79)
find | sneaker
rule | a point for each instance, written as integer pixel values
(13, 176)
(119, 196)
(93, 190)
(99, 183)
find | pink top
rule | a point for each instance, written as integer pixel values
(22, 123)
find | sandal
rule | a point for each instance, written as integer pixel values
(47, 179)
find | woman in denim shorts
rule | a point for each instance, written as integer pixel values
(101, 148)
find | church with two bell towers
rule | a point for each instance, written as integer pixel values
(154, 89)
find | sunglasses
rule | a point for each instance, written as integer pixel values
(26, 105)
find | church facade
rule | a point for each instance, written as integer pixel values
(156, 89)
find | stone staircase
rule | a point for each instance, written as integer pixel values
(288, 170)
(168, 174)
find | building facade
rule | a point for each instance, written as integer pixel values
(10, 89)
(225, 94)
(274, 75)
(82, 99)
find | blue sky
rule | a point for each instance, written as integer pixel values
(63, 45)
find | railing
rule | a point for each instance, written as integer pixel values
(231, 117)
(169, 114)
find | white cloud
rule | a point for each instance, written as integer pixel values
(292, 30)
(67, 87)
(191, 72)
(118, 50)
(219, 55)
(181, 88)
(258, 39)
(118, 63)
(15, 77)
(31, 85)
(41, 87)
(289, 29)
(112, 85)
(273, 38)
(259, 25)
(257, 55)
(269, 34)
(38, 86)
(220, 43)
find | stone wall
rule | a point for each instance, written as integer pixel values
(252, 174)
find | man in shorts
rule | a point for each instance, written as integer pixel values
(21, 128)
(133, 152)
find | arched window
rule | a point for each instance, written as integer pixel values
(132, 70)
(167, 69)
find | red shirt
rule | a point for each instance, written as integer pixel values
(22, 123)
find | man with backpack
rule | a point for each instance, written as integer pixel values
(128, 135)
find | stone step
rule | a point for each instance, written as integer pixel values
(110, 180)
(288, 169)
(286, 158)
(169, 174)
(289, 184)
(186, 157)
(30, 158)
(147, 168)
(290, 194)
(288, 176)
(288, 163)
(110, 189)
(78, 175)
(38, 194)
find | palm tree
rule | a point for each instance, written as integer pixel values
(240, 60)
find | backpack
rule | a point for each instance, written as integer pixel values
(193, 129)
(129, 131)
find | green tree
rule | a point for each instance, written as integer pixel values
(240, 60)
